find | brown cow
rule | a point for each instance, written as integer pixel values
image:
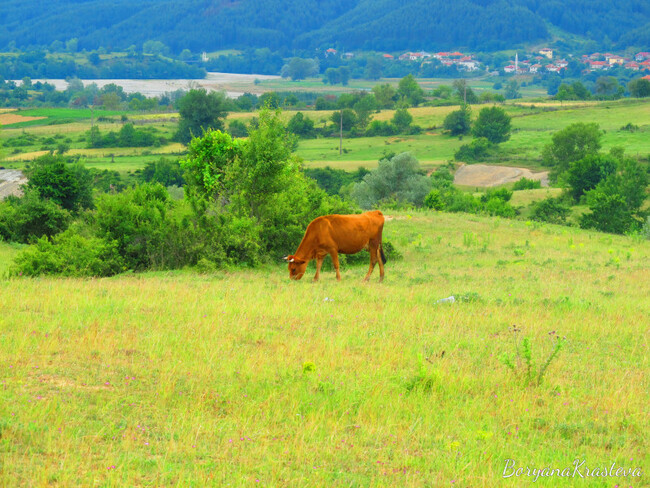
(333, 234)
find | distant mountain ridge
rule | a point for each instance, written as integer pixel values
(210, 25)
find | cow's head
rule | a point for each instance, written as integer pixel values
(297, 267)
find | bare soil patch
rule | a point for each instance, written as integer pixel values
(11, 118)
(483, 175)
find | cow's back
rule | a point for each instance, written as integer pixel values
(352, 233)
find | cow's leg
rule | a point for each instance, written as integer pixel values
(381, 264)
(373, 260)
(335, 262)
(319, 263)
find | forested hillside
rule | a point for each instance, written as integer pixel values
(296, 24)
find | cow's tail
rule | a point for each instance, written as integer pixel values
(381, 251)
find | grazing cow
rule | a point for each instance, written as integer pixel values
(334, 234)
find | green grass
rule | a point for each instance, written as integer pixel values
(179, 379)
(430, 150)
(55, 116)
(7, 253)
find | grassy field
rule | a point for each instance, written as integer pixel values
(244, 378)
(533, 123)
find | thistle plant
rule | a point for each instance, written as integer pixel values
(522, 364)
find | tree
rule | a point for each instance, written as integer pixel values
(409, 91)
(332, 76)
(572, 143)
(299, 68)
(349, 119)
(608, 87)
(402, 120)
(398, 178)
(200, 111)
(300, 125)
(66, 185)
(639, 88)
(363, 108)
(373, 69)
(512, 90)
(458, 122)
(464, 92)
(493, 123)
(385, 95)
(616, 201)
(583, 175)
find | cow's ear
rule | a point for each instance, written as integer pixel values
(297, 261)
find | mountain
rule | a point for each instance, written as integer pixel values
(210, 25)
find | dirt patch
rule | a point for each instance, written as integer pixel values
(11, 118)
(11, 182)
(482, 175)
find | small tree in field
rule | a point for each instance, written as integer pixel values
(458, 122)
(200, 111)
(493, 123)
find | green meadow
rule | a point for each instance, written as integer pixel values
(244, 378)
(533, 124)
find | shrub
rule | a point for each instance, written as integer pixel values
(458, 122)
(526, 184)
(475, 151)
(550, 210)
(70, 254)
(493, 123)
(24, 219)
(397, 178)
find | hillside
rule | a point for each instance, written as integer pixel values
(298, 24)
(179, 379)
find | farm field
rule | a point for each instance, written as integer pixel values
(533, 124)
(244, 378)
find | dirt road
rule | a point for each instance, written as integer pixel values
(483, 175)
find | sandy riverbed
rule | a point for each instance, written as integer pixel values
(152, 88)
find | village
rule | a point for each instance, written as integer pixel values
(537, 62)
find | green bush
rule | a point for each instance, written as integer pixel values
(550, 210)
(475, 151)
(70, 254)
(396, 179)
(30, 217)
(526, 184)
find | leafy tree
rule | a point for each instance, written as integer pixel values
(616, 201)
(31, 216)
(550, 210)
(402, 119)
(300, 125)
(443, 91)
(200, 111)
(208, 159)
(332, 76)
(583, 175)
(639, 88)
(608, 87)
(237, 128)
(512, 90)
(163, 171)
(363, 108)
(66, 185)
(464, 92)
(475, 151)
(398, 178)
(299, 68)
(409, 91)
(373, 69)
(458, 122)
(349, 119)
(572, 143)
(493, 123)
